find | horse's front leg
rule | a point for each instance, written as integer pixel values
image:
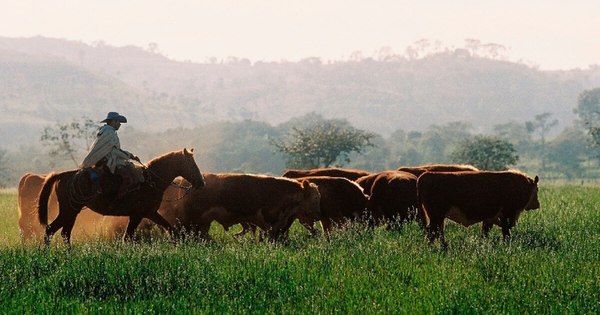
(134, 221)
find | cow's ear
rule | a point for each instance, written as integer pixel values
(305, 183)
(536, 179)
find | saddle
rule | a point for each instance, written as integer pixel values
(126, 179)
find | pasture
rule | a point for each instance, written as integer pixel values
(552, 265)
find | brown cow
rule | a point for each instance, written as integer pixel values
(332, 171)
(342, 200)
(89, 224)
(418, 170)
(471, 197)
(270, 203)
(392, 197)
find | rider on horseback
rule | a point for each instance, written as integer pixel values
(106, 154)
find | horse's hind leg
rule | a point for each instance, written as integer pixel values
(134, 221)
(68, 224)
(53, 227)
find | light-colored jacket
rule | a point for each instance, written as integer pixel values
(107, 145)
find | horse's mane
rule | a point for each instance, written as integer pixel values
(163, 157)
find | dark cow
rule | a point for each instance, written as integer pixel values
(418, 170)
(392, 196)
(342, 200)
(270, 203)
(333, 172)
(471, 197)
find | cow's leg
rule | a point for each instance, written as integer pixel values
(280, 232)
(310, 226)
(422, 218)
(506, 225)
(134, 221)
(442, 237)
(203, 232)
(327, 225)
(486, 226)
(158, 219)
(246, 228)
(432, 225)
(436, 230)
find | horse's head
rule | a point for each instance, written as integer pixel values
(190, 170)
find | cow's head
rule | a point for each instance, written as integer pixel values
(310, 203)
(534, 202)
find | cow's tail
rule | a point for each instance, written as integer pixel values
(44, 196)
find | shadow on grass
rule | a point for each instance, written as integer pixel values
(537, 239)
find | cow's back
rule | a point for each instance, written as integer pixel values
(350, 174)
(418, 170)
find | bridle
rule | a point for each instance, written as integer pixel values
(187, 188)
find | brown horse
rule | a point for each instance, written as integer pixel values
(79, 188)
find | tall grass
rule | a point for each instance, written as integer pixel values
(552, 265)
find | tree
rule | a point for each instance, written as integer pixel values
(588, 110)
(69, 139)
(541, 126)
(568, 151)
(321, 145)
(486, 153)
(439, 141)
(3, 168)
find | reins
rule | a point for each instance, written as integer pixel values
(172, 183)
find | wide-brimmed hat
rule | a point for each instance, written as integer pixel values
(115, 116)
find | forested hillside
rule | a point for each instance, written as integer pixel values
(44, 81)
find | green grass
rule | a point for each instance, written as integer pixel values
(552, 265)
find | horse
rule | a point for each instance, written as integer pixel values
(76, 189)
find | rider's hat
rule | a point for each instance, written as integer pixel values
(115, 116)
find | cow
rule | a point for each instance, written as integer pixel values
(342, 200)
(418, 170)
(268, 202)
(472, 197)
(332, 172)
(392, 197)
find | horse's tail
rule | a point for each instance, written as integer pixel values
(45, 195)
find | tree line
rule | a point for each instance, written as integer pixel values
(311, 141)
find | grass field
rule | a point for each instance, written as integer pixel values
(552, 265)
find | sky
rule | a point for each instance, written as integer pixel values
(548, 34)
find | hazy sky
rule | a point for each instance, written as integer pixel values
(551, 34)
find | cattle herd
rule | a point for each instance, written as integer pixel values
(428, 194)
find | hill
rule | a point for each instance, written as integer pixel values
(45, 80)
